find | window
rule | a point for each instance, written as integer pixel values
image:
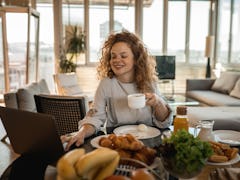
(124, 17)
(46, 51)
(152, 35)
(199, 20)
(224, 14)
(98, 28)
(177, 29)
(235, 56)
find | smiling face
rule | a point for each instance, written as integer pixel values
(122, 62)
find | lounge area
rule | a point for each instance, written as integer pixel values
(50, 65)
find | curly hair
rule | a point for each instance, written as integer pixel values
(144, 66)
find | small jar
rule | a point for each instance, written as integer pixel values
(181, 119)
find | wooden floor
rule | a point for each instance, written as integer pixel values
(7, 156)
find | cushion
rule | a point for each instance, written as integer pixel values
(236, 90)
(10, 100)
(226, 82)
(25, 97)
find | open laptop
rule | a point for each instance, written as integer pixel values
(32, 133)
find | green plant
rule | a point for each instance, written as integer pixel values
(67, 66)
(74, 45)
(183, 155)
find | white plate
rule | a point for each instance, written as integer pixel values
(95, 141)
(232, 161)
(150, 132)
(228, 137)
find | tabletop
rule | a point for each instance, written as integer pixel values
(49, 172)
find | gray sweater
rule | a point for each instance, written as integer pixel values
(110, 103)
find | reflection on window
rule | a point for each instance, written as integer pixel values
(32, 49)
(46, 51)
(177, 29)
(98, 29)
(223, 30)
(235, 57)
(124, 17)
(17, 47)
(198, 30)
(152, 34)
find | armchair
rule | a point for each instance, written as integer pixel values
(67, 84)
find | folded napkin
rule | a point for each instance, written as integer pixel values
(225, 174)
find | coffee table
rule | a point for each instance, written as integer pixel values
(180, 100)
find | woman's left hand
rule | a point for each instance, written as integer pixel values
(152, 99)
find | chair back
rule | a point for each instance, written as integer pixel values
(165, 67)
(67, 111)
(67, 84)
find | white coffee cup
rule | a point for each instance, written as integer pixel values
(136, 101)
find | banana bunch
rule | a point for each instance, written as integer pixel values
(95, 165)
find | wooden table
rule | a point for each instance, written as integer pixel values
(50, 173)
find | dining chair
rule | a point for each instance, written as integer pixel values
(67, 110)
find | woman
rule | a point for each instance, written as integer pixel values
(125, 68)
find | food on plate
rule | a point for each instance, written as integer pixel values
(142, 127)
(141, 174)
(222, 152)
(145, 155)
(127, 142)
(129, 147)
(65, 165)
(117, 177)
(97, 164)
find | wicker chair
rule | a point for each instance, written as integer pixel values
(67, 110)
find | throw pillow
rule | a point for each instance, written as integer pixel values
(236, 90)
(226, 82)
(26, 97)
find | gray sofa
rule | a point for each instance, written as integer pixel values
(23, 98)
(224, 91)
(219, 100)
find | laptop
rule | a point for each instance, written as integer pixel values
(32, 133)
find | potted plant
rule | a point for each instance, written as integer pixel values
(74, 46)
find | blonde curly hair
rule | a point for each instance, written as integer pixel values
(145, 72)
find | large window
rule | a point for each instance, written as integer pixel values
(224, 14)
(199, 21)
(46, 50)
(235, 56)
(177, 29)
(98, 28)
(152, 32)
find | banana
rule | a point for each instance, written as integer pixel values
(94, 160)
(65, 165)
(108, 170)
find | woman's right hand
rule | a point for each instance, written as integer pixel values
(77, 139)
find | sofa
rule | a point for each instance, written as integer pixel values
(23, 98)
(219, 100)
(224, 91)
